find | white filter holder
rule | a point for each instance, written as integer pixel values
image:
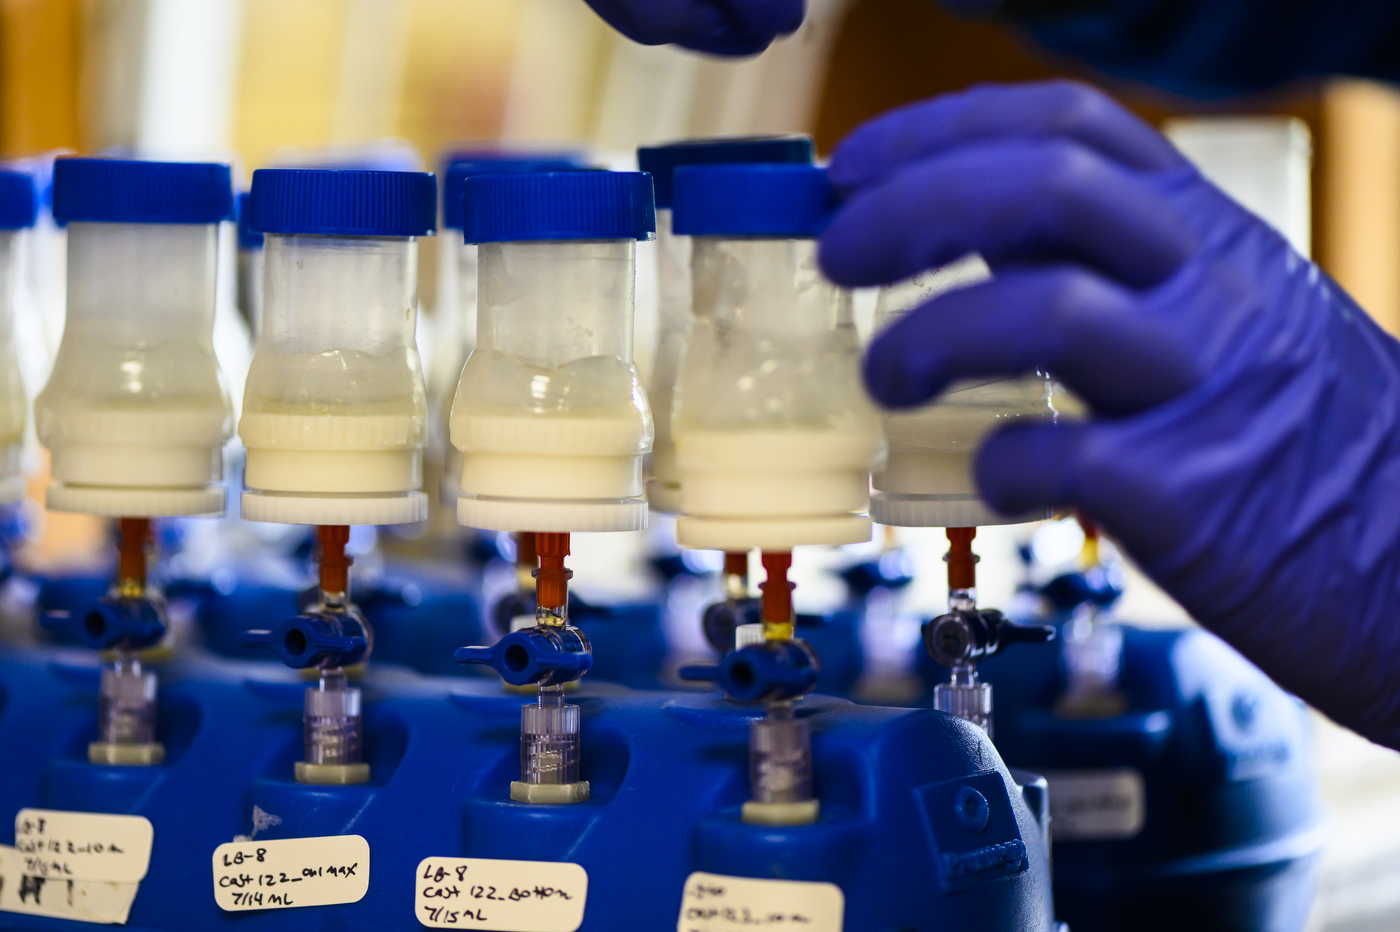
(284, 508)
(941, 511)
(551, 515)
(774, 489)
(135, 503)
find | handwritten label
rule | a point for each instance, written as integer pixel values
(1088, 805)
(82, 900)
(83, 845)
(716, 903)
(291, 872)
(504, 896)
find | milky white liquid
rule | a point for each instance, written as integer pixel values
(931, 449)
(751, 473)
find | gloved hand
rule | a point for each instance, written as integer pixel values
(1244, 443)
(720, 27)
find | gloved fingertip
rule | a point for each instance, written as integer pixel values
(835, 258)
(1024, 468)
(888, 377)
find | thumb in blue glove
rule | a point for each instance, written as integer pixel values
(720, 27)
(1244, 444)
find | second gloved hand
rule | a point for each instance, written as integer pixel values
(720, 27)
(1244, 443)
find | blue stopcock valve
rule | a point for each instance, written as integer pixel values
(1096, 586)
(131, 623)
(331, 639)
(891, 570)
(720, 620)
(771, 671)
(545, 655)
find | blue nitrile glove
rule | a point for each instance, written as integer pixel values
(1244, 443)
(720, 27)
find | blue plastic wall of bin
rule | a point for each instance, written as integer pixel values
(668, 772)
(419, 616)
(1232, 830)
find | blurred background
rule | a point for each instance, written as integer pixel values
(258, 82)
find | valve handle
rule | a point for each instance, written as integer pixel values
(310, 640)
(965, 636)
(111, 622)
(545, 655)
(892, 570)
(1095, 586)
(721, 618)
(773, 670)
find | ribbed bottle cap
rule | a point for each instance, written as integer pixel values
(469, 164)
(752, 200)
(19, 200)
(558, 205)
(248, 238)
(328, 202)
(127, 191)
(662, 161)
(748, 635)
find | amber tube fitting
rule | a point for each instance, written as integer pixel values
(526, 560)
(962, 562)
(335, 565)
(736, 575)
(552, 579)
(1089, 553)
(131, 556)
(777, 596)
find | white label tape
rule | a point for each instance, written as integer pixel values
(1087, 805)
(503, 896)
(81, 900)
(291, 872)
(83, 845)
(716, 903)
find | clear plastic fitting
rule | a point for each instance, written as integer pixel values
(550, 751)
(966, 696)
(135, 412)
(18, 210)
(550, 415)
(927, 480)
(780, 770)
(1093, 654)
(335, 410)
(775, 436)
(334, 733)
(126, 716)
(673, 281)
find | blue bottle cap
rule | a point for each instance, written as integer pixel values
(19, 200)
(752, 200)
(558, 206)
(469, 164)
(248, 238)
(327, 202)
(661, 161)
(129, 191)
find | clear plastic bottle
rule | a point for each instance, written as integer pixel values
(775, 436)
(550, 414)
(673, 281)
(457, 263)
(250, 267)
(18, 211)
(927, 480)
(335, 411)
(135, 412)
